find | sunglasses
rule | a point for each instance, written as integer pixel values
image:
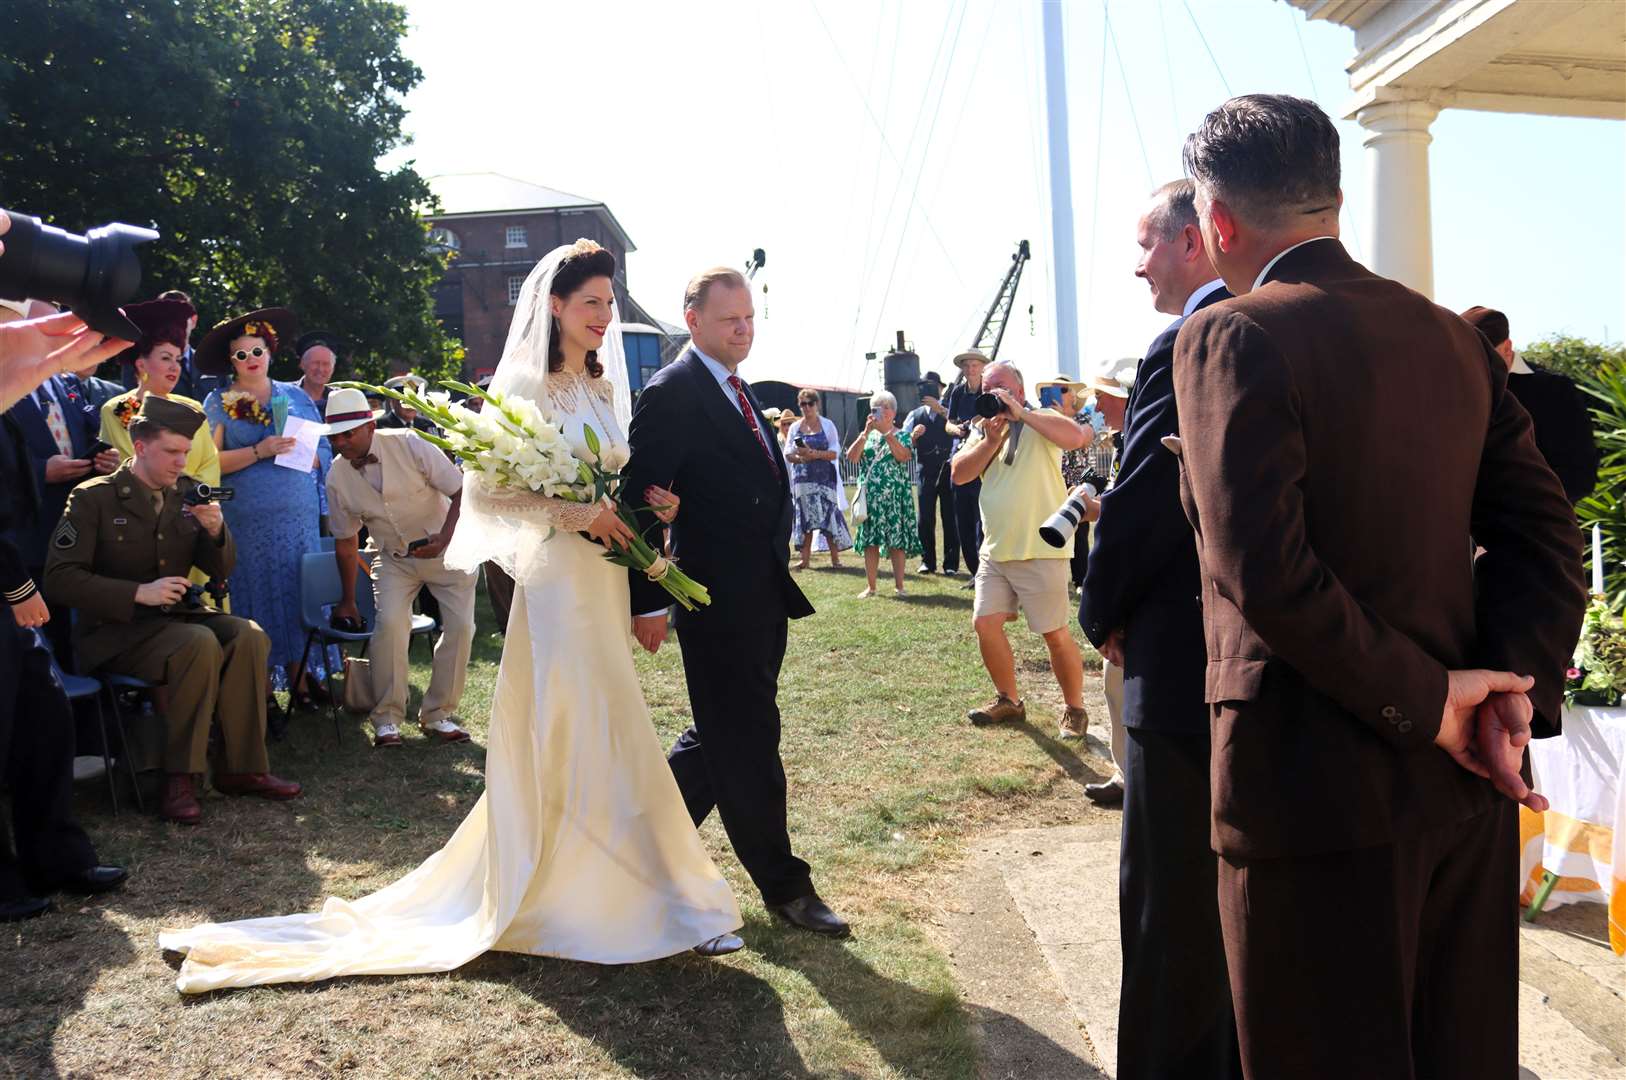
(808, 404)
(243, 354)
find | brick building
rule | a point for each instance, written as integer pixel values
(496, 228)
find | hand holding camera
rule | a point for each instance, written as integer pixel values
(210, 516)
(163, 592)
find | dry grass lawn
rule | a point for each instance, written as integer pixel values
(887, 781)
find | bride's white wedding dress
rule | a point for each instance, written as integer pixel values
(580, 848)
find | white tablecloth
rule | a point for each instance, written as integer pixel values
(1582, 838)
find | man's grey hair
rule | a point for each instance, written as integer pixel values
(1004, 365)
(1174, 206)
(1270, 157)
(883, 399)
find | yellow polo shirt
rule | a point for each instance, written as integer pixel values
(1019, 497)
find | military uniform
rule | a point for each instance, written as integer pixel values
(116, 534)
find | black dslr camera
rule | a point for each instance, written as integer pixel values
(988, 406)
(92, 274)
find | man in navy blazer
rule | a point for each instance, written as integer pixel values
(699, 432)
(56, 474)
(1142, 608)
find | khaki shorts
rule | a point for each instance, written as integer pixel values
(1036, 587)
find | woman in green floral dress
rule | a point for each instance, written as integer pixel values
(882, 454)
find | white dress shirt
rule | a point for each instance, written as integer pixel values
(1203, 292)
(722, 375)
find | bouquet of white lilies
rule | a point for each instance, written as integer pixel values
(509, 443)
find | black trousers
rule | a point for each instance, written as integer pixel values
(36, 762)
(1399, 961)
(729, 758)
(936, 489)
(968, 521)
(1174, 1013)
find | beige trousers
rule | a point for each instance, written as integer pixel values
(396, 582)
(1113, 677)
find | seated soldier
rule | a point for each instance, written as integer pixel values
(119, 556)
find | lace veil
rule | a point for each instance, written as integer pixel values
(512, 529)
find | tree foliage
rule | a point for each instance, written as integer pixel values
(247, 132)
(1606, 506)
(1576, 357)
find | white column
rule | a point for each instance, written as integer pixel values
(1401, 244)
(1061, 192)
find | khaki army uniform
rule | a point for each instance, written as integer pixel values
(117, 534)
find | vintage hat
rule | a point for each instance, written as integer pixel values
(1488, 321)
(275, 325)
(416, 383)
(171, 415)
(1115, 377)
(1061, 379)
(314, 338)
(932, 377)
(970, 354)
(160, 322)
(348, 407)
(771, 414)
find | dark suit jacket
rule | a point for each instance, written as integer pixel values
(1563, 428)
(1346, 443)
(1142, 575)
(732, 533)
(83, 424)
(19, 511)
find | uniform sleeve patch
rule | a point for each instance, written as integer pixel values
(66, 535)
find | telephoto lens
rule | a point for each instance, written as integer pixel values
(92, 274)
(1060, 526)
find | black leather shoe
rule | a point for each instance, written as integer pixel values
(23, 907)
(1110, 793)
(810, 913)
(95, 879)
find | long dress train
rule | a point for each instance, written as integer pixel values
(581, 847)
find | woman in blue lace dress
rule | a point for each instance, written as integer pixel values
(812, 447)
(275, 510)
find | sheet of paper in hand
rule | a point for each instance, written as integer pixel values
(302, 455)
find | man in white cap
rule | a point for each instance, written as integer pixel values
(407, 494)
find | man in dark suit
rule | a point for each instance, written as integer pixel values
(1346, 446)
(698, 432)
(1142, 607)
(933, 446)
(1557, 410)
(58, 426)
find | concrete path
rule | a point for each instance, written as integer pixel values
(1035, 942)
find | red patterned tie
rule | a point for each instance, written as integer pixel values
(751, 417)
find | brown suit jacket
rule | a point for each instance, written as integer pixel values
(1345, 443)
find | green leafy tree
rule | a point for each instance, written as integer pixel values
(247, 132)
(1606, 506)
(1576, 357)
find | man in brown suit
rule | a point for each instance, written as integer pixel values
(119, 557)
(1345, 445)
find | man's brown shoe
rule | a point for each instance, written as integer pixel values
(180, 803)
(262, 784)
(1074, 722)
(1002, 710)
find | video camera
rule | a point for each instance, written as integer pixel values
(91, 274)
(196, 492)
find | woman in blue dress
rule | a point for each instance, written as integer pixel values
(275, 510)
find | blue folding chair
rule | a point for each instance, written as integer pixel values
(319, 587)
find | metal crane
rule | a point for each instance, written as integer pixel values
(992, 330)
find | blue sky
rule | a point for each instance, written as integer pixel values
(717, 126)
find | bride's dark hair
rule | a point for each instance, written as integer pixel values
(586, 261)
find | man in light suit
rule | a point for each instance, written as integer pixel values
(1142, 607)
(698, 432)
(1346, 445)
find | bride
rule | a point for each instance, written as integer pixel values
(581, 847)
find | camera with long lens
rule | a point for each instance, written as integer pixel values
(91, 274)
(1060, 526)
(196, 492)
(989, 406)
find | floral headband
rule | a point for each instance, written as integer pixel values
(261, 330)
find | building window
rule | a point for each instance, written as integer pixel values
(515, 237)
(443, 239)
(643, 358)
(516, 282)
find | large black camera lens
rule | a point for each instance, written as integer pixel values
(92, 274)
(989, 406)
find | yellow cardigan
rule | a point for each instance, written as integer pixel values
(202, 461)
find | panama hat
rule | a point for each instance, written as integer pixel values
(348, 407)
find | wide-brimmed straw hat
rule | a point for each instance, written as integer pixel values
(348, 407)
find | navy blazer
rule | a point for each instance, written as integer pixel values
(84, 424)
(732, 532)
(1142, 574)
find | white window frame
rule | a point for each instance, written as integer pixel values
(511, 240)
(516, 283)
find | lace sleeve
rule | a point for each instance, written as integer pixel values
(529, 506)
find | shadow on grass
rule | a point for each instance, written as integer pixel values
(1062, 753)
(52, 964)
